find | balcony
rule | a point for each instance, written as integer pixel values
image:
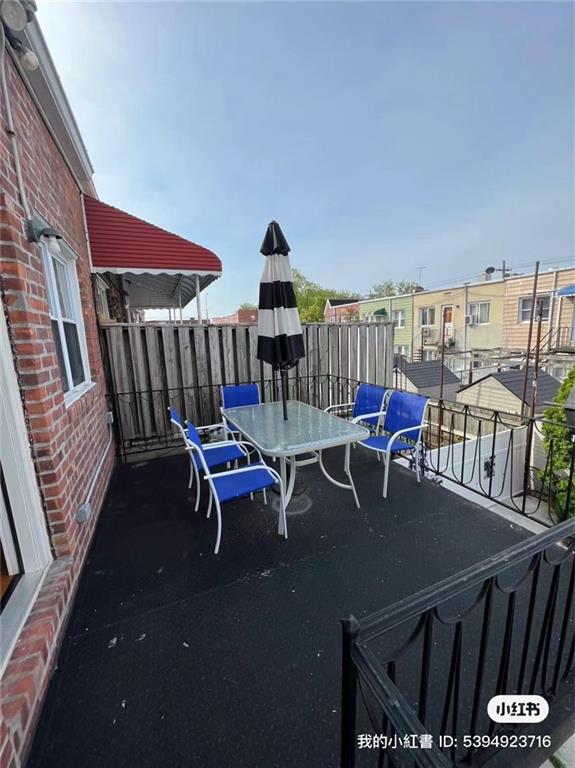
(174, 656)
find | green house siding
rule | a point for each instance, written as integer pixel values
(401, 336)
(368, 308)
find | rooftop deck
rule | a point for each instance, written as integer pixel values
(176, 657)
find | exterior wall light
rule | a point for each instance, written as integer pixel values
(37, 233)
(26, 56)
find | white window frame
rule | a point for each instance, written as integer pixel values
(426, 310)
(538, 298)
(396, 315)
(402, 349)
(67, 258)
(475, 312)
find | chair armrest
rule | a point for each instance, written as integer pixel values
(249, 468)
(365, 416)
(210, 427)
(337, 405)
(240, 443)
(403, 431)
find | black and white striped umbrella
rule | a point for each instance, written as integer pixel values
(280, 339)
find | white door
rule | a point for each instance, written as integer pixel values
(447, 321)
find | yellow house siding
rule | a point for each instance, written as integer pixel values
(491, 394)
(459, 297)
(490, 335)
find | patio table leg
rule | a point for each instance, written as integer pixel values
(350, 486)
(288, 484)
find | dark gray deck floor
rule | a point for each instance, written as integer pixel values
(175, 657)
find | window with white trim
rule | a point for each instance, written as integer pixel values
(402, 349)
(66, 317)
(479, 312)
(541, 304)
(427, 316)
(398, 318)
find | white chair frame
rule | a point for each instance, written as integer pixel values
(387, 453)
(282, 522)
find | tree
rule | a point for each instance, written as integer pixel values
(389, 288)
(406, 286)
(248, 305)
(311, 297)
(381, 290)
(559, 446)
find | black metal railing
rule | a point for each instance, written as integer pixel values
(501, 457)
(141, 416)
(524, 464)
(426, 666)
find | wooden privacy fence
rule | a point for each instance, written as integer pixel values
(150, 365)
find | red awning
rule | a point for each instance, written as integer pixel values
(159, 269)
(122, 243)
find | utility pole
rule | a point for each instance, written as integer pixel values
(529, 337)
(503, 270)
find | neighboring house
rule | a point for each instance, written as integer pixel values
(396, 309)
(558, 313)
(56, 449)
(470, 316)
(424, 378)
(503, 391)
(341, 310)
(241, 317)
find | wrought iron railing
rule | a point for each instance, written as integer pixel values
(499, 457)
(425, 667)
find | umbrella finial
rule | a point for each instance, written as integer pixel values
(274, 240)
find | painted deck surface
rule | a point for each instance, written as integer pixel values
(176, 657)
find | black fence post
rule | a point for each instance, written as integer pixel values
(350, 631)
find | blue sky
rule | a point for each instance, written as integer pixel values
(382, 136)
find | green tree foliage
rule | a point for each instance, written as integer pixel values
(389, 288)
(248, 305)
(557, 441)
(311, 297)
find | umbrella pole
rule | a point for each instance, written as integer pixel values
(284, 393)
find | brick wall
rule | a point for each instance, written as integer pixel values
(66, 443)
(347, 313)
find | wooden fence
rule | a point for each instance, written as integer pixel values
(148, 365)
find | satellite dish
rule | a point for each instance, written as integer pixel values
(490, 270)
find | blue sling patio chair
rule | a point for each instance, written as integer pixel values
(369, 400)
(403, 421)
(234, 483)
(238, 395)
(222, 452)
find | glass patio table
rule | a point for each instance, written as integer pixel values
(308, 430)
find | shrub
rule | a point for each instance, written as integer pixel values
(558, 444)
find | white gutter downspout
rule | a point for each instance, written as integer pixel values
(10, 127)
(551, 308)
(198, 300)
(85, 509)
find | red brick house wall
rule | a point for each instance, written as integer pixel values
(347, 313)
(66, 443)
(247, 316)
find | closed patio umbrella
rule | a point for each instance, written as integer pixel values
(280, 339)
